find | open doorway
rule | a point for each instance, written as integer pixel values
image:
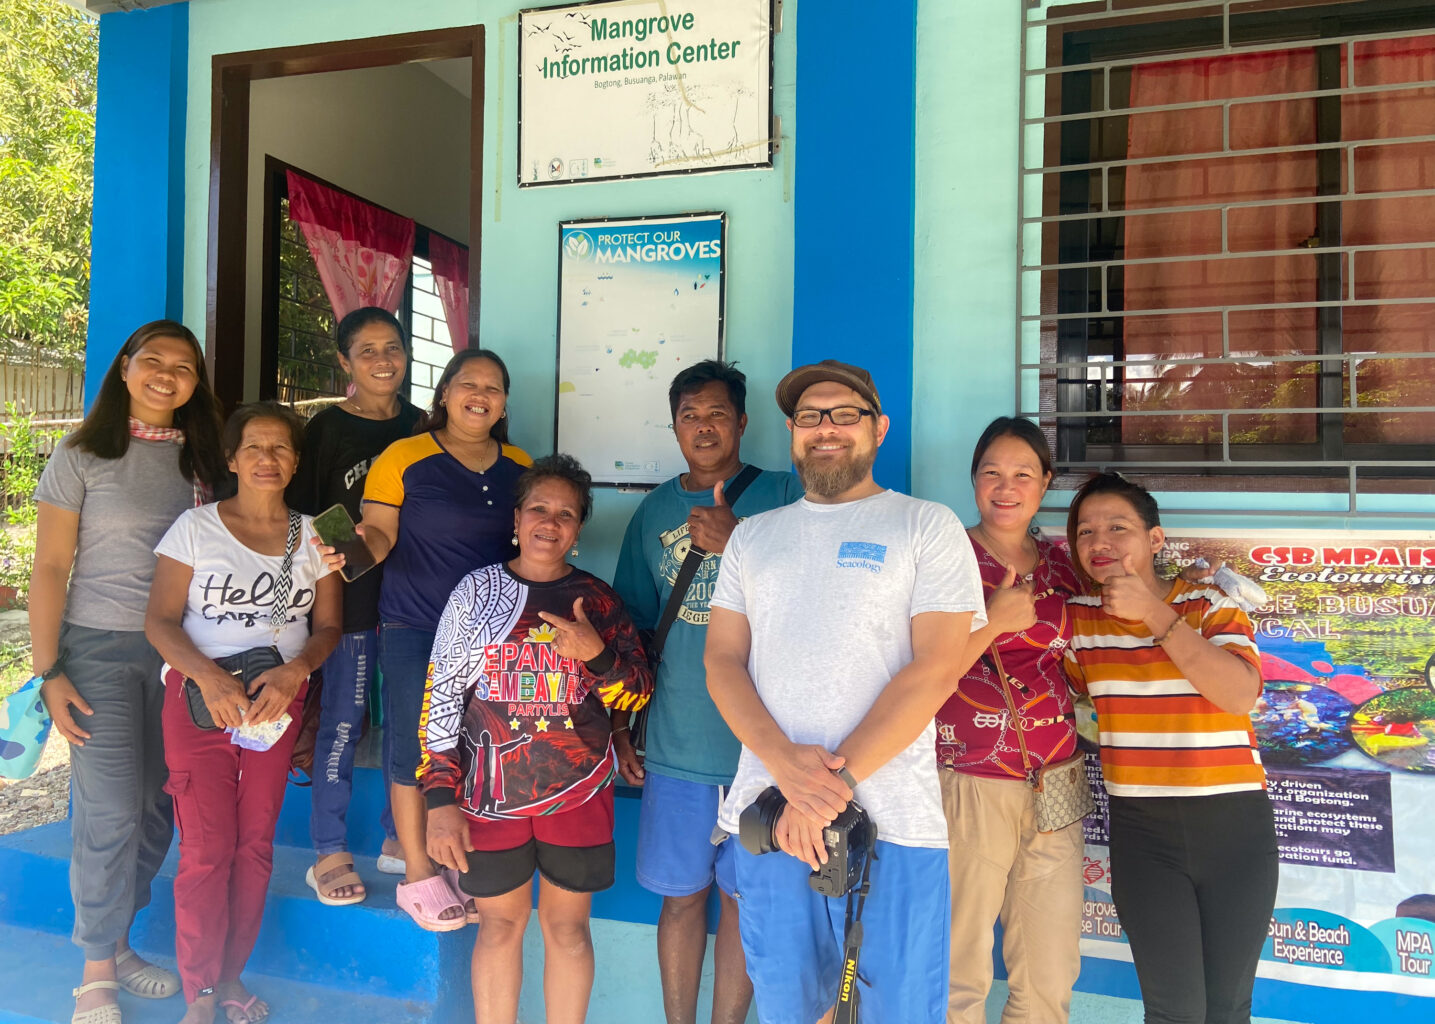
(394, 120)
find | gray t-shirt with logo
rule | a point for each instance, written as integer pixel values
(125, 507)
(829, 592)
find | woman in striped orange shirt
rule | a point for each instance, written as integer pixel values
(1173, 670)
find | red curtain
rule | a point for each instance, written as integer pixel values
(1290, 274)
(450, 278)
(363, 253)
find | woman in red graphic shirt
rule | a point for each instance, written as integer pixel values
(517, 762)
(1000, 865)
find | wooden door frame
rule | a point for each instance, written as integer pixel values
(232, 74)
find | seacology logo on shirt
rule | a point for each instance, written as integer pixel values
(857, 554)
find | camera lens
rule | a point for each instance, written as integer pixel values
(755, 824)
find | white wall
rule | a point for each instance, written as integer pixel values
(398, 136)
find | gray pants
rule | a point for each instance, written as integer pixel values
(123, 819)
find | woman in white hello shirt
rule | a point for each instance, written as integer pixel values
(220, 588)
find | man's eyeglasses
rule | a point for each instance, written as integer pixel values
(842, 416)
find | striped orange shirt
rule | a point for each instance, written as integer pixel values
(1159, 736)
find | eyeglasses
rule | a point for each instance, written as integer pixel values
(842, 416)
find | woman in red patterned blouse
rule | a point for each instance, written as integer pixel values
(1000, 864)
(517, 760)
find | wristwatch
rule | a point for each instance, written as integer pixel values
(54, 670)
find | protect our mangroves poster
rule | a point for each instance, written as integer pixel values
(638, 301)
(634, 88)
(1346, 727)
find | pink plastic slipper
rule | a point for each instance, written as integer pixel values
(470, 915)
(425, 901)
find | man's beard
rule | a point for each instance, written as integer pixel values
(829, 478)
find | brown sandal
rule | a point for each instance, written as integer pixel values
(331, 873)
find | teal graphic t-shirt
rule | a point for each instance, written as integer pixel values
(687, 738)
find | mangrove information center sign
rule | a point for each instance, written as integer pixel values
(631, 88)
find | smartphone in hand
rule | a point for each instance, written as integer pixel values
(335, 528)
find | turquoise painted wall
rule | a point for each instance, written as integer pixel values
(520, 264)
(964, 244)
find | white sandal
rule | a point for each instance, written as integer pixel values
(107, 1014)
(148, 982)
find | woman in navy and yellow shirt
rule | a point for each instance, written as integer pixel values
(436, 506)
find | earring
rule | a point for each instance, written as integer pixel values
(574, 552)
(515, 538)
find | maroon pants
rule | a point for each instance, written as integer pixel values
(226, 802)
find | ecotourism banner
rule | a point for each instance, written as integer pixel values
(1346, 727)
(638, 300)
(636, 88)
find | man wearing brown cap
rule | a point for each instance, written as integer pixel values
(837, 629)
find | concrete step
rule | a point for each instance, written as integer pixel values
(38, 970)
(343, 947)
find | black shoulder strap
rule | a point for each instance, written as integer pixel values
(689, 568)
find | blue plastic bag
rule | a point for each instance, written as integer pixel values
(24, 728)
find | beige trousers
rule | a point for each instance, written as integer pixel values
(1001, 866)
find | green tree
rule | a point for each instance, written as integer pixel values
(49, 54)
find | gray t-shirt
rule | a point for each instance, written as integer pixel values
(125, 507)
(829, 592)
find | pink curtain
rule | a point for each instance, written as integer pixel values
(1288, 276)
(363, 253)
(450, 278)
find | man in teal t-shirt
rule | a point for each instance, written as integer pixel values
(691, 754)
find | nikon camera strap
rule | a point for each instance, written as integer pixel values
(847, 999)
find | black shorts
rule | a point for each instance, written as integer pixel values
(575, 868)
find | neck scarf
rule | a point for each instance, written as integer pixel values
(145, 432)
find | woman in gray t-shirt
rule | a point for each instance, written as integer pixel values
(148, 450)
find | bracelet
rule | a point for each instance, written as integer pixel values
(620, 728)
(1169, 629)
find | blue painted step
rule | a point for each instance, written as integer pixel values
(38, 969)
(344, 947)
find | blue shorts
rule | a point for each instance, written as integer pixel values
(793, 937)
(676, 856)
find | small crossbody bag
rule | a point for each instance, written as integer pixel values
(1061, 795)
(246, 666)
(654, 644)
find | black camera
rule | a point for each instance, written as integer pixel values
(848, 840)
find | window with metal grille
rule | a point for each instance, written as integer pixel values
(299, 364)
(1228, 241)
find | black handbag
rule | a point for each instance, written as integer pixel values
(246, 666)
(653, 644)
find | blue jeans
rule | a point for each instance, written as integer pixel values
(342, 704)
(404, 660)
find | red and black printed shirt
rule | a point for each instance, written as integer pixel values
(974, 731)
(510, 729)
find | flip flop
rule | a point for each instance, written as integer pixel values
(245, 1017)
(107, 1014)
(391, 865)
(148, 982)
(471, 916)
(424, 901)
(334, 871)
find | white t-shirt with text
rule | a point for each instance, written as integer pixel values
(829, 592)
(232, 589)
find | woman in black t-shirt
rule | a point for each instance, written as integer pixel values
(339, 445)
